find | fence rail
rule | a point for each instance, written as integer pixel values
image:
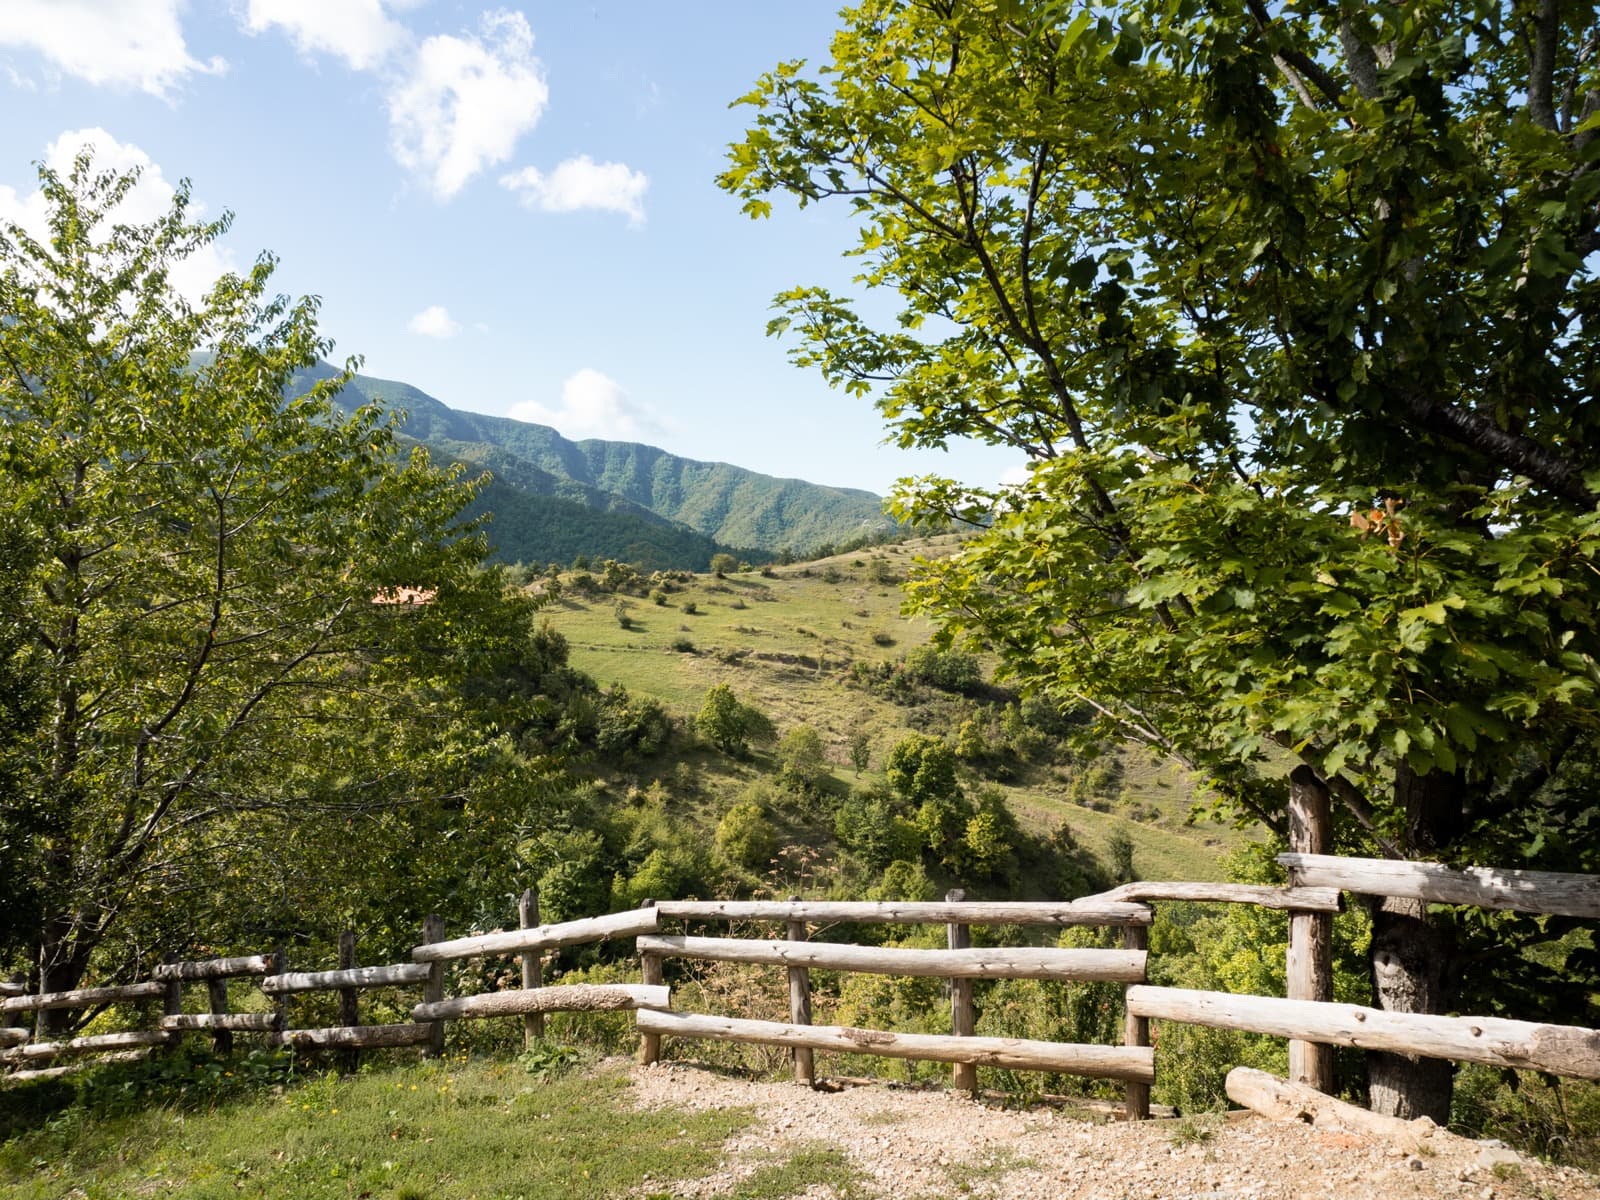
(1308, 1018)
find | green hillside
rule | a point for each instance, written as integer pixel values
(804, 643)
(674, 511)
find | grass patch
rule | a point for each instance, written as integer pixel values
(441, 1131)
(813, 1166)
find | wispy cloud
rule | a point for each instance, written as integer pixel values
(129, 44)
(466, 101)
(435, 322)
(581, 183)
(358, 31)
(593, 405)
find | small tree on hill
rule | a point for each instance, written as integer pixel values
(723, 564)
(732, 726)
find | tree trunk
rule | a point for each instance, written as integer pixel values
(1410, 956)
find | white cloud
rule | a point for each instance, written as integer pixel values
(117, 43)
(358, 31)
(435, 322)
(467, 100)
(592, 405)
(580, 183)
(1019, 474)
(147, 201)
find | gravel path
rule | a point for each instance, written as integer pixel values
(926, 1144)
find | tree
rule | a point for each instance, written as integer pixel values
(1292, 311)
(239, 607)
(721, 564)
(730, 725)
(803, 757)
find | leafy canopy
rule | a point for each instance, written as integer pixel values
(243, 615)
(1291, 310)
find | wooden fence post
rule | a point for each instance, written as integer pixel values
(349, 1009)
(963, 1023)
(1135, 1031)
(280, 966)
(171, 1006)
(217, 996)
(433, 990)
(1310, 965)
(800, 1005)
(650, 972)
(532, 972)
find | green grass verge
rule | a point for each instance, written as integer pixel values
(450, 1131)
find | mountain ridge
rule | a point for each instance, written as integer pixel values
(672, 510)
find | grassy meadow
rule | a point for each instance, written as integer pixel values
(785, 640)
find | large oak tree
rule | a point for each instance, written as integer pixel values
(1289, 306)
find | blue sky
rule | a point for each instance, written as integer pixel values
(511, 207)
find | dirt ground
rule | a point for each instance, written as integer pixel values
(926, 1144)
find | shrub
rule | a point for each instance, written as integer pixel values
(731, 726)
(690, 607)
(883, 637)
(947, 670)
(721, 564)
(682, 645)
(802, 757)
(745, 836)
(860, 750)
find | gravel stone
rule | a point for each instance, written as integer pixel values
(927, 1144)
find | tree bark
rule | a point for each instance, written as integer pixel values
(1410, 956)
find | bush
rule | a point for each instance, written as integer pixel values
(802, 757)
(690, 607)
(722, 564)
(883, 637)
(682, 645)
(731, 726)
(947, 670)
(860, 750)
(745, 836)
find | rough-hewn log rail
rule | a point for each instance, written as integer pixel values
(575, 997)
(215, 968)
(399, 975)
(361, 1037)
(8, 988)
(1101, 1062)
(1093, 911)
(1558, 1049)
(238, 1022)
(989, 962)
(121, 1056)
(87, 1045)
(12, 1036)
(542, 937)
(1284, 1100)
(84, 997)
(1487, 887)
(1302, 899)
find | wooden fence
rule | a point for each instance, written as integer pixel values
(1308, 1017)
